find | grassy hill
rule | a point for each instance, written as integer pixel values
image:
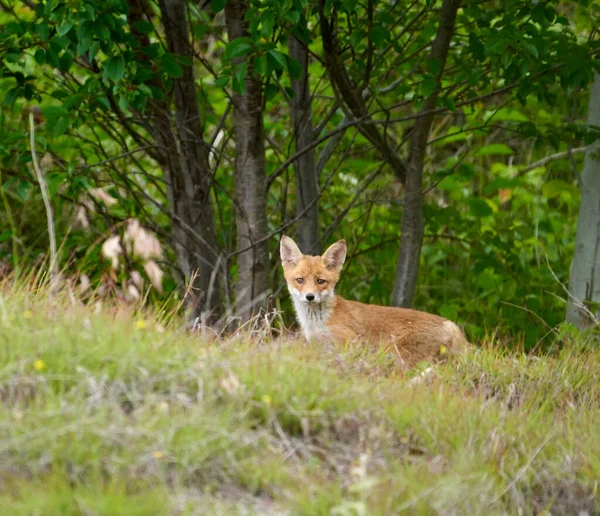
(115, 415)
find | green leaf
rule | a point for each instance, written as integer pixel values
(476, 47)
(349, 5)
(143, 26)
(51, 112)
(238, 47)
(271, 91)
(278, 60)
(435, 66)
(531, 48)
(11, 96)
(124, 103)
(494, 148)
(429, 85)
(43, 29)
(85, 35)
(64, 27)
(217, 5)
(379, 36)
(60, 126)
(40, 56)
(479, 207)
(222, 81)
(554, 188)
(356, 37)
(171, 68)
(93, 50)
(114, 69)
(268, 21)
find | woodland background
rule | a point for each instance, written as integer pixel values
(445, 141)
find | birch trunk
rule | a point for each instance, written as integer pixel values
(584, 280)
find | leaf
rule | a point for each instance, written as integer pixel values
(494, 148)
(43, 29)
(428, 85)
(11, 96)
(217, 5)
(435, 66)
(171, 68)
(40, 56)
(60, 126)
(554, 188)
(349, 5)
(356, 37)
(222, 81)
(124, 103)
(476, 47)
(143, 26)
(531, 48)
(114, 69)
(479, 207)
(93, 50)
(238, 47)
(51, 112)
(64, 27)
(379, 36)
(278, 59)
(271, 91)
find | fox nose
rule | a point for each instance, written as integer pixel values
(310, 297)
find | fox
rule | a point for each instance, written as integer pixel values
(411, 335)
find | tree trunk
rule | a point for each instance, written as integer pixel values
(307, 181)
(250, 181)
(183, 156)
(584, 280)
(412, 226)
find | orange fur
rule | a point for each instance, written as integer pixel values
(414, 336)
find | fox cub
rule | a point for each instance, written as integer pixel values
(311, 280)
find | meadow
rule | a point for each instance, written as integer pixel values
(108, 414)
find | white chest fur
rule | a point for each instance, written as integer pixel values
(313, 318)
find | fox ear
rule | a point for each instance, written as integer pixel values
(335, 256)
(290, 253)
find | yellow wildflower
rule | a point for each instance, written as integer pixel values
(140, 324)
(158, 454)
(39, 365)
(443, 350)
(28, 314)
(267, 400)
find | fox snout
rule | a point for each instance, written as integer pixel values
(310, 297)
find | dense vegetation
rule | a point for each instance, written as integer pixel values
(443, 141)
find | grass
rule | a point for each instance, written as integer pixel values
(105, 415)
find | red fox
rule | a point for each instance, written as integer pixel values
(311, 280)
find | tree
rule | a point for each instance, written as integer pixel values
(250, 177)
(307, 179)
(584, 279)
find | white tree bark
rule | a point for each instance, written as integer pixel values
(584, 281)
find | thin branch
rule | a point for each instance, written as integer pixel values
(46, 197)
(552, 157)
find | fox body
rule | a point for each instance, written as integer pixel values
(414, 336)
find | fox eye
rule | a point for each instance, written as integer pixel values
(320, 281)
(300, 280)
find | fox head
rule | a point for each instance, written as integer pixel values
(311, 279)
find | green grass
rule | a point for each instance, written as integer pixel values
(98, 417)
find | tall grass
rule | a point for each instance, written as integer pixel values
(105, 415)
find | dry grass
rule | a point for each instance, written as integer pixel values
(105, 415)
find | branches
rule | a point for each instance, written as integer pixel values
(53, 268)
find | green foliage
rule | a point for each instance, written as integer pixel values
(499, 234)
